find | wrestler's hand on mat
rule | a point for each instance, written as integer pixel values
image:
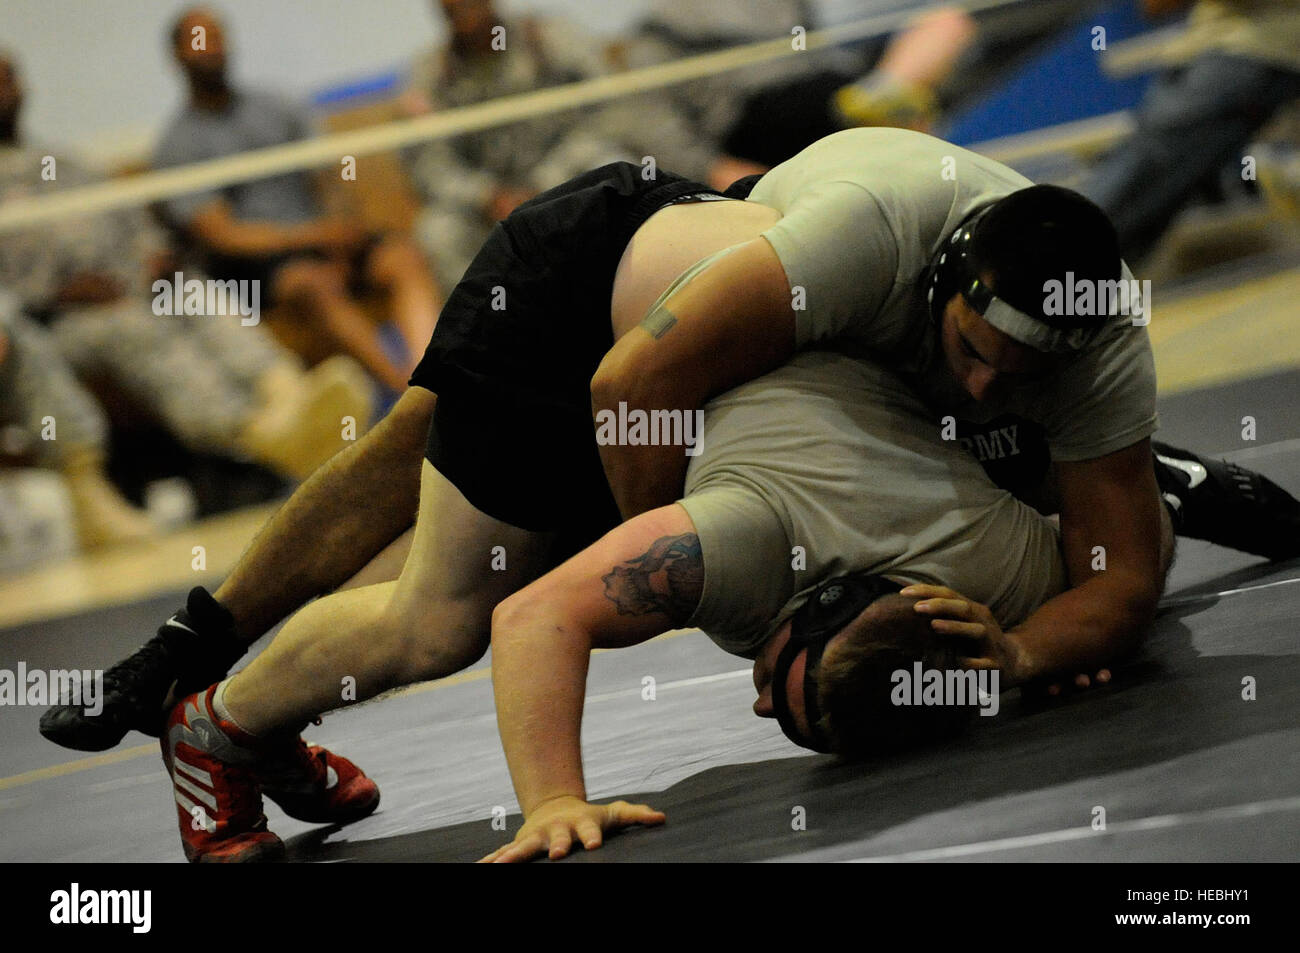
(555, 824)
(1057, 686)
(982, 643)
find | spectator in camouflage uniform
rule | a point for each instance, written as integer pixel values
(471, 181)
(276, 230)
(65, 428)
(217, 385)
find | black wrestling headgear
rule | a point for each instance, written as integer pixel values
(828, 610)
(955, 269)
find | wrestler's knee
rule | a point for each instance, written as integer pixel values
(429, 639)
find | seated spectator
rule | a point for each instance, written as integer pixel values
(66, 429)
(471, 181)
(761, 114)
(275, 230)
(901, 89)
(764, 114)
(217, 385)
(1239, 62)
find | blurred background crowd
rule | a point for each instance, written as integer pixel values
(120, 423)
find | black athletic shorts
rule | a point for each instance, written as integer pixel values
(518, 341)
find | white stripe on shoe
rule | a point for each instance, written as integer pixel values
(195, 774)
(194, 791)
(209, 824)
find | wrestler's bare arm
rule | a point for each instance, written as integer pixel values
(731, 323)
(641, 579)
(1112, 502)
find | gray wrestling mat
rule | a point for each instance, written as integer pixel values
(1182, 766)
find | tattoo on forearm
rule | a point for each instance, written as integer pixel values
(667, 578)
(658, 322)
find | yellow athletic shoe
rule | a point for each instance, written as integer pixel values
(884, 101)
(1278, 172)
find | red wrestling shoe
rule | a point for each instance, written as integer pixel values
(316, 785)
(218, 800)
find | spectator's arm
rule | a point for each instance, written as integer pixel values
(217, 230)
(418, 97)
(89, 288)
(653, 125)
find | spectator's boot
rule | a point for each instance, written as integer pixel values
(104, 517)
(300, 423)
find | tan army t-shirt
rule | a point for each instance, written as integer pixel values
(830, 465)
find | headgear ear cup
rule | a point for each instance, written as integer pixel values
(942, 278)
(827, 612)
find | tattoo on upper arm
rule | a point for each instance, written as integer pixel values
(658, 322)
(668, 578)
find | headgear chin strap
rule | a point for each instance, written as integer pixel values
(828, 610)
(953, 271)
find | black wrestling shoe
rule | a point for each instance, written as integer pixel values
(194, 648)
(1227, 504)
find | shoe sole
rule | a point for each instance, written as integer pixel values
(263, 853)
(356, 814)
(78, 733)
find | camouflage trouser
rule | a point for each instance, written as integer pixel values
(450, 238)
(36, 383)
(197, 373)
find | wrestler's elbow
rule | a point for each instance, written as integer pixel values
(610, 383)
(1139, 585)
(1131, 598)
(637, 380)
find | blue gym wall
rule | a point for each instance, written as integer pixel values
(1062, 84)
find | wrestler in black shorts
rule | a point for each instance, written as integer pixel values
(517, 344)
